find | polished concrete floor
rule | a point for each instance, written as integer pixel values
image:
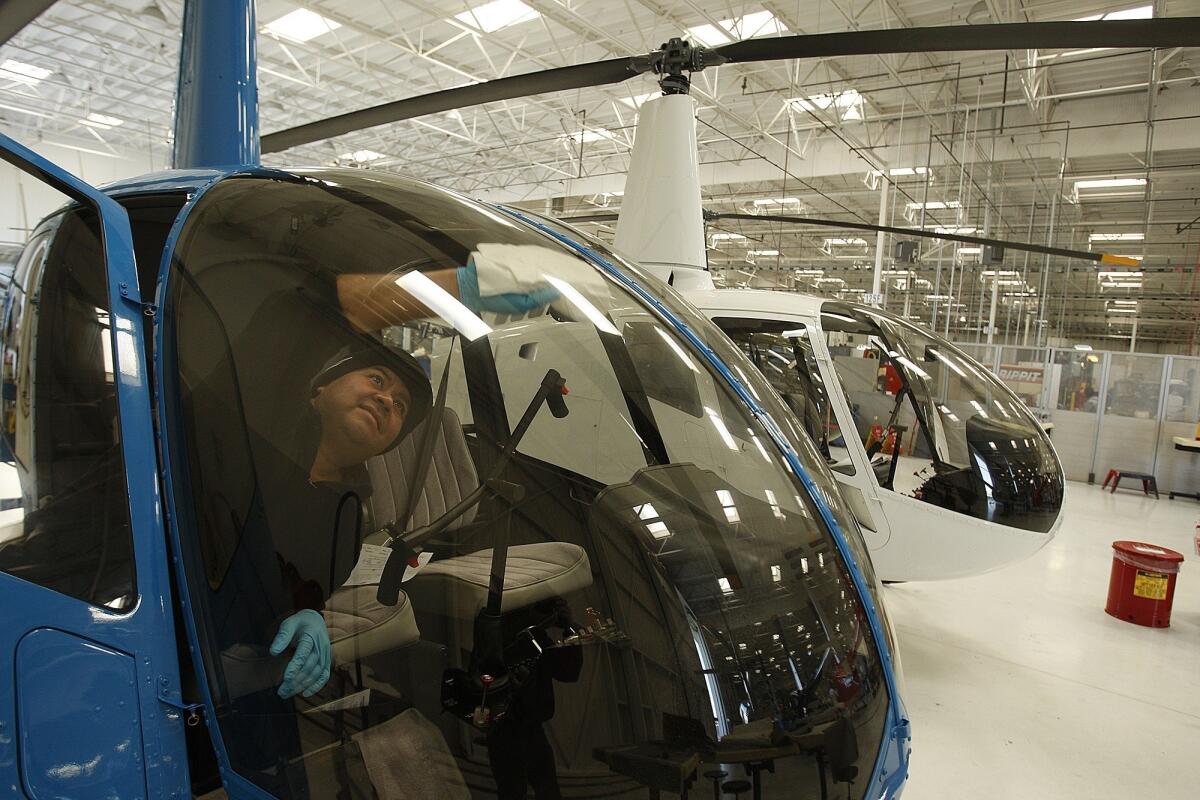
(1019, 686)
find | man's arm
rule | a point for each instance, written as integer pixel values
(373, 302)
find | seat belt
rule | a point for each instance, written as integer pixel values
(416, 483)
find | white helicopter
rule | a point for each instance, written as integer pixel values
(945, 469)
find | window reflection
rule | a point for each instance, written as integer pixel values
(608, 582)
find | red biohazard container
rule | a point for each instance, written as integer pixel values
(1142, 584)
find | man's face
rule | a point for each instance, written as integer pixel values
(363, 410)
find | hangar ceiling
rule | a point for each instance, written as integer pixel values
(1078, 149)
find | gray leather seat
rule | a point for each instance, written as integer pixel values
(458, 586)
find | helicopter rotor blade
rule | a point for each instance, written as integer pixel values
(579, 76)
(1162, 32)
(1099, 258)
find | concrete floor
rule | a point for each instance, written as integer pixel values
(1020, 686)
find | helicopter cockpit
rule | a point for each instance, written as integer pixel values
(562, 555)
(934, 424)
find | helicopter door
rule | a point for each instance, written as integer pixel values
(89, 678)
(793, 358)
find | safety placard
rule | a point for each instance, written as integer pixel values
(1150, 585)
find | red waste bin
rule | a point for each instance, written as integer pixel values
(1142, 584)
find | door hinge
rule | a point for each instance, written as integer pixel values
(174, 699)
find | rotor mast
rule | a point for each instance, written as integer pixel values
(216, 113)
(661, 222)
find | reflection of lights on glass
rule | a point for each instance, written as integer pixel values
(594, 315)
(731, 514)
(658, 530)
(762, 450)
(724, 497)
(821, 559)
(647, 512)
(775, 509)
(727, 589)
(719, 424)
(444, 304)
(679, 351)
(776, 573)
(982, 411)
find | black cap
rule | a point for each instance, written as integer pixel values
(368, 353)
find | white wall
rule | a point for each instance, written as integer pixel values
(24, 199)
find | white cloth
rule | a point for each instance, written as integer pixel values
(503, 268)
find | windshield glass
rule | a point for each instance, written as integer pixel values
(943, 428)
(447, 492)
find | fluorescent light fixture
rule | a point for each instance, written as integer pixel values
(361, 156)
(583, 304)
(971, 251)
(849, 241)
(777, 201)
(1109, 183)
(811, 272)
(1123, 285)
(961, 230)
(102, 121)
(904, 172)
(1116, 237)
(444, 304)
(1121, 310)
(762, 252)
(301, 25)
(19, 71)
(1123, 302)
(637, 100)
(716, 237)
(493, 16)
(1119, 274)
(1002, 273)
(933, 205)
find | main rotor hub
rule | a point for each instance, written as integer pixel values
(677, 57)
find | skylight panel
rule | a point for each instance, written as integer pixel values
(709, 35)
(102, 121)
(1138, 12)
(637, 100)
(760, 23)
(591, 135)
(847, 104)
(491, 17)
(19, 71)
(302, 25)
(1110, 183)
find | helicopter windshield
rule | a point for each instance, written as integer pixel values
(939, 425)
(541, 541)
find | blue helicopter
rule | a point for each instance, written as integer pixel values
(338, 484)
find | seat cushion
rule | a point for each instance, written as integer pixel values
(359, 625)
(458, 586)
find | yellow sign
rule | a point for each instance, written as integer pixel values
(1150, 585)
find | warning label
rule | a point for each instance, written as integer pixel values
(1150, 585)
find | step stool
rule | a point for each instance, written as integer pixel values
(1149, 484)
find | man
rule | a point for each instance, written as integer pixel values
(365, 400)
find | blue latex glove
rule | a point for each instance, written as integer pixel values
(309, 668)
(508, 303)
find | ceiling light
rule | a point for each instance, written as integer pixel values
(1083, 347)
(1109, 183)
(852, 241)
(762, 252)
(19, 71)
(1119, 274)
(361, 156)
(719, 236)
(847, 103)
(933, 205)
(1116, 237)
(637, 100)
(1123, 302)
(777, 201)
(959, 230)
(301, 25)
(1121, 310)
(1001, 273)
(493, 16)
(971, 251)
(102, 121)
(901, 172)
